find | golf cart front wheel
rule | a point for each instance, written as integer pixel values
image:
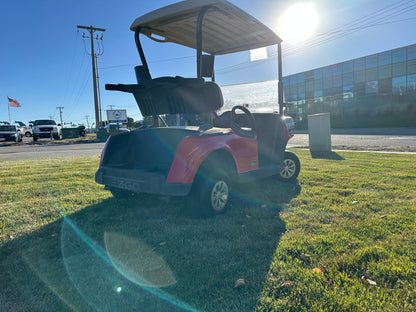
(291, 168)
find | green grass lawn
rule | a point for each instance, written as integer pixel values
(341, 239)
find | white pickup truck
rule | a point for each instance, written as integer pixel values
(46, 129)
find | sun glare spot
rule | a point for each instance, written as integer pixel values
(298, 23)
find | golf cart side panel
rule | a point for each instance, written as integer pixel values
(193, 150)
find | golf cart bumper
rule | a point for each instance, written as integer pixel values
(149, 182)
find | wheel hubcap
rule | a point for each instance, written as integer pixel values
(219, 195)
(288, 169)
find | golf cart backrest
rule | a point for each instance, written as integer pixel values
(174, 95)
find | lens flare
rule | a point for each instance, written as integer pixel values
(298, 23)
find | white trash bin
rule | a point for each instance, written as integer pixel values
(319, 128)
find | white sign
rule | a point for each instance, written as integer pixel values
(117, 116)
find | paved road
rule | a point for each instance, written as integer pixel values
(362, 139)
(365, 139)
(29, 151)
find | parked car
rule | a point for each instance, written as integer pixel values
(114, 128)
(10, 133)
(46, 128)
(290, 124)
(202, 163)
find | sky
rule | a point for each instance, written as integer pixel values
(45, 61)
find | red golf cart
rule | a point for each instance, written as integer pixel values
(202, 162)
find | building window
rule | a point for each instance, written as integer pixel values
(347, 92)
(317, 73)
(309, 86)
(359, 76)
(318, 96)
(318, 84)
(347, 67)
(328, 83)
(286, 81)
(359, 64)
(398, 84)
(371, 74)
(411, 52)
(347, 79)
(384, 86)
(371, 87)
(309, 75)
(371, 61)
(411, 67)
(336, 69)
(301, 77)
(384, 72)
(359, 89)
(301, 87)
(327, 71)
(399, 55)
(293, 79)
(411, 83)
(399, 69)
(337, 81)
(384, 58)
(293, 89)
(301, 98)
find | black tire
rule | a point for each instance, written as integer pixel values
(210, 194)
(291, 168)
(120, 193)
(35, 138)
(28, 134)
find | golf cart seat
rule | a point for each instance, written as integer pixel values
(174, 95)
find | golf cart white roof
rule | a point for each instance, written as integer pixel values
(226, 28)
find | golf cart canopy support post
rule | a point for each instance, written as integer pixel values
(215, 27)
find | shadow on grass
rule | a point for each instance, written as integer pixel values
(327, 155)
(144, 254)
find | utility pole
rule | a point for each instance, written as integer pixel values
(60, 114)
(88, 124)
(94, 77)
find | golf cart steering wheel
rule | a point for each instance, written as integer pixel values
(237, 128)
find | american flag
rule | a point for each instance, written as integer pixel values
(13, 103)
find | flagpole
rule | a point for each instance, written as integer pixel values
(8, 106)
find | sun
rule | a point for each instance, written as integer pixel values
(298, 23)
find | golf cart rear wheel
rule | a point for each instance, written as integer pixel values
(210, 194)
(291, 168)
(120, 193)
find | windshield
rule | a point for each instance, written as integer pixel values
(174, 120)
(7, 128)
(45, 122)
